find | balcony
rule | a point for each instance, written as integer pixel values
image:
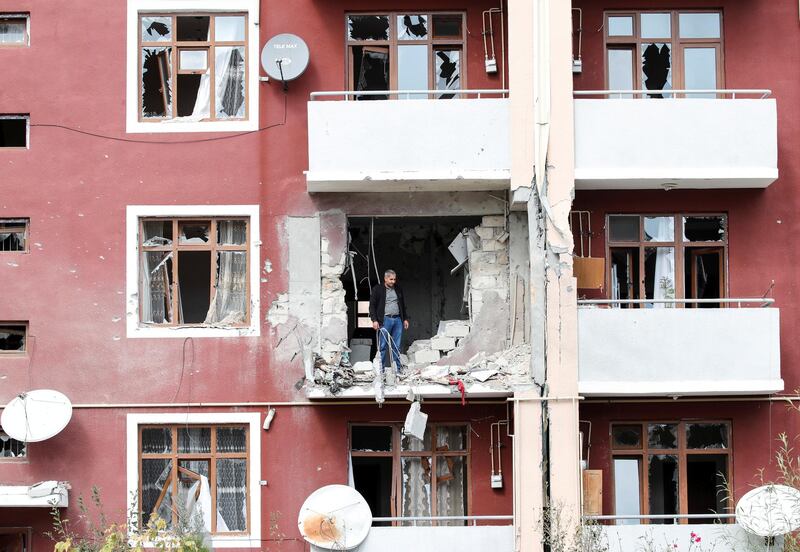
(726, 141)
(470, 538)
(405, 145)
(678, 351)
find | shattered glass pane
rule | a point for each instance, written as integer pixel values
(156, 440)
(156, 82)
(193, 95)
(191, 487)
(707, 436)
(620, 70)
(702, 229)
(156, 287)
(11, 448)
(416, 488)
(662, 436)
(370, 70)
(194, 232)
(231, 439)
(156, 29)
(627, 436)
(700, 70)
(412, 69)
(229, 305)
(623, 228)
(232, 232)
(655, 25)
(193, 28)
(371, 438)
(231, 495)
(230, 86)
(411, 443)
(451, 488)
(157, 233)
(447, 25)
(699, 25)
(193, 60)
(194, 439)
(412, 27)
(12, 30)
(657, 68)
(659, 229)
(448, 71)
(229, 28)
(12, 338)
(452, 437)
(155, 475)
(663, 486)
(659, 275)
(368, 27)
(620, 25)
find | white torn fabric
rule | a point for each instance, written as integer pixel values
(198, 503)
(229, 304)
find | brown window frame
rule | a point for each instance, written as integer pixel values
(25, 533)
(435, 455)
(680, 248)
(175, 247)
(26, 20)
(445, 43)
(211, 456)
(681, 452)
(26, 335)
(677, 46)
(23, 457)
(16, 225)
(174, 62)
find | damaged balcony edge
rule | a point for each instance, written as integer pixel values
(432, 391)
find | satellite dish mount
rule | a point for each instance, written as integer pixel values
(285, 57)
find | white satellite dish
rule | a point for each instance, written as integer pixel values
(36, 415)
(284, 57)
(769, 511)
(335, 517)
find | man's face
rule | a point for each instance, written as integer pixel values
(390, 280)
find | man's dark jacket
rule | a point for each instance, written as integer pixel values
(377, 303)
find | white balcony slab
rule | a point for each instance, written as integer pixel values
(679, 351)
(685, 143)
(408, 145)
(725, 536)
(497, 538)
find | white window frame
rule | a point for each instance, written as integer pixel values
(27, 18)
(133, 88)
(132, 264)
(253, 419)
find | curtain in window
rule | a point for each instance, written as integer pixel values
(416, 487)
(232, 494)
(230, 85)
(229, 305)
(661, 229)
(201, 105)
(156, 298)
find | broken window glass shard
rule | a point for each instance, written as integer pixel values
(194, 439)
(156, 29)
(156, 91)
(229, 305)
(156, 492)
(229, 28)
(193, 60)
(371, 438)
(416, 488)
(448, 71)
(231, 495)
(13, 234)
(194, 232)
(368, 27)
(620, 25)
(657, 68)
(231, 232)
(412, 27)
(156, 287)
(11, 448)
(412, 69)
(370, 70)
(193, 28)
(157, 233)
(156, 440)
(663, 486)
(229, 87)
(12, 338)
(623, 228)
(655, 25)
(627, 436)
(707, 436)
(231, 439)
(662, 436)
(193, 491)
(447, 25)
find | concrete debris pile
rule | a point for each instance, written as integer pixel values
(427, 351)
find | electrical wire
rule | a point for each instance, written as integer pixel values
(167, 142)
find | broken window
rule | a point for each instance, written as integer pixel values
(195, 473)
(11, 448)
(14, 131)
(670, 468)
(405, 51)
(13, 337)
(665, 257)
(15, 539)
(199, 278)
(431, 473)
(193, 66)
(14, 29)
(659, 51)
(14, 234)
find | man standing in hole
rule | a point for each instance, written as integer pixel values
(387, 310)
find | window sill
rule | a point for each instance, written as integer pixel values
(192, 331)
(173, 125)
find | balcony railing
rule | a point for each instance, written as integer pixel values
(720, 138)
(678, 351)
(413, 142)
(464, 538)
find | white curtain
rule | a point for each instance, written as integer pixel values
(156, 294)
(232, 494)
(416, 488)
(229, 305)
(661, 229)
(230, 85)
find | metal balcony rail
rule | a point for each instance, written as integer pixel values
(405, 94)
(659, 517)
(473, 519)
(732, 92)
(738, 301)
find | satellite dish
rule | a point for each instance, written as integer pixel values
(769, 511)
(335, 517)
(284, 57)
(36, 415)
